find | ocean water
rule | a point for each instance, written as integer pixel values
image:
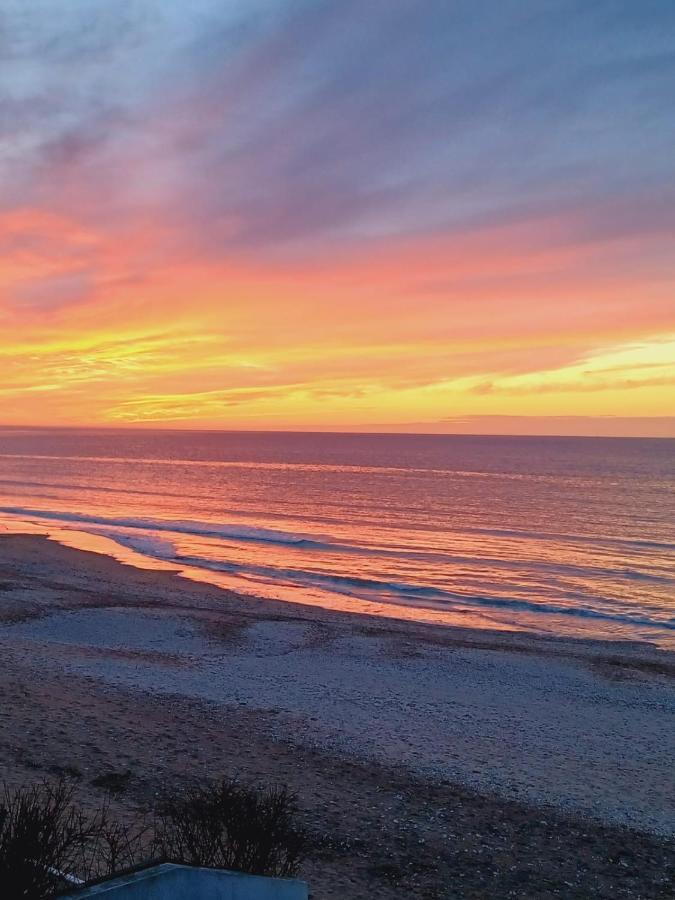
(548, 535)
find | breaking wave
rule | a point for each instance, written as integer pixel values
(175, 526)
(394, 591)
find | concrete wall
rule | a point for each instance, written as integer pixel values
(171, 882)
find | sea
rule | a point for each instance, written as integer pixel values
(547, 535)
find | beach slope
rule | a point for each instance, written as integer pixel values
(436, 759)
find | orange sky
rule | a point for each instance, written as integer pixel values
(156, 271)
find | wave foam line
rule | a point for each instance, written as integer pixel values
(347, 585)
(198, 529)
(313, 542)
(351, 586)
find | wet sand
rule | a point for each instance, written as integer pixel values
(443, 761)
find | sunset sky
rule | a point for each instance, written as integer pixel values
(404, 215)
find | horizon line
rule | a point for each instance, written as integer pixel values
(300, 431)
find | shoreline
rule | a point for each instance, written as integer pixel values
(463, 621)
(573, 728)
(424, 624)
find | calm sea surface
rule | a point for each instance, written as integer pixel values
(552, 535)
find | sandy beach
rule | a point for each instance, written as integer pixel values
(443, 761)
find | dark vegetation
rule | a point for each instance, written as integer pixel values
(41, 834)
(228, 825)
(49, 844)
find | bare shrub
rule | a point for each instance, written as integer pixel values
(48, 842)
(225, 824)
(42, 834)
(113, 846)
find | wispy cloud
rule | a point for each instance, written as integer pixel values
(361, 205)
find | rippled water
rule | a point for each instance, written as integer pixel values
(555, 535)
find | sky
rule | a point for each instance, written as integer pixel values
(360, 215)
